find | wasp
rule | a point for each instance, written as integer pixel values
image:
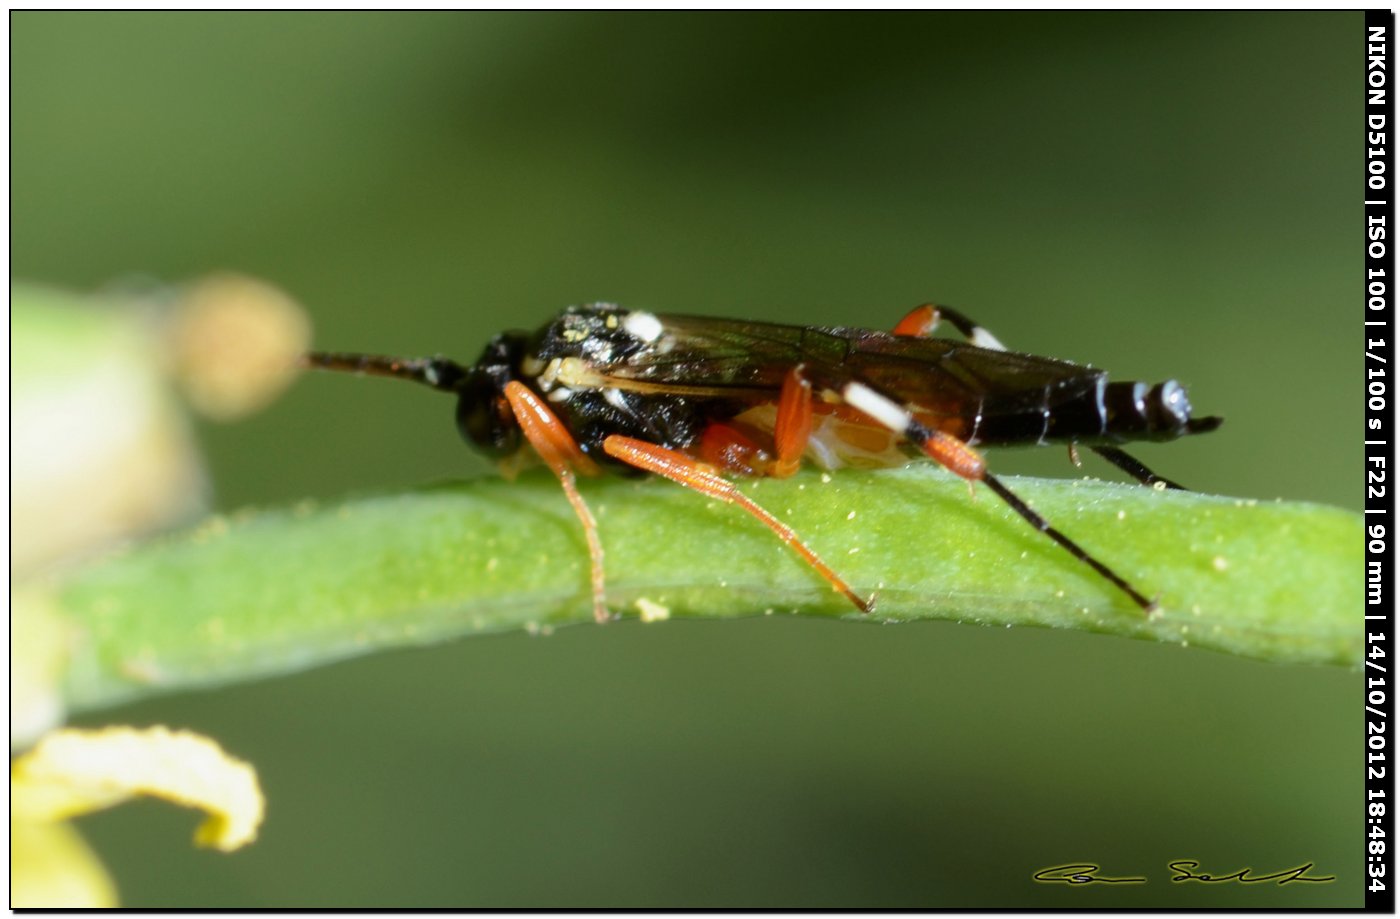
(698, 400)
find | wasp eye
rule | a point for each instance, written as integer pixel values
(486, 420)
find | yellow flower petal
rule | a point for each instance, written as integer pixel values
(51, 867)
(72, 772)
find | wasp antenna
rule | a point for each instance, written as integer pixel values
(436, 372)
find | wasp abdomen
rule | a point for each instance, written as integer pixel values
(1107, 413)
(1136, 411)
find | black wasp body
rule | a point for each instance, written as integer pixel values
(691, 397)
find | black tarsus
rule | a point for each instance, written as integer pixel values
(1043, 525)
(1135, 468)
(965, 326)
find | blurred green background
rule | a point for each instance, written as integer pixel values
(1161, 194)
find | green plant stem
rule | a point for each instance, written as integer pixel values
(273, 592)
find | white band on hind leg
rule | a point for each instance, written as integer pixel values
(864, 399)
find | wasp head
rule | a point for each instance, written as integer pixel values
(483, 416)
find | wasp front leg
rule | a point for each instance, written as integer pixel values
(557, 447)
(959, 458)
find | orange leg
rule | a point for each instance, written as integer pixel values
(794, 425)
(921, 321)
(686, 471)
(728, 447)
(552, 441)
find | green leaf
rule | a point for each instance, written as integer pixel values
(273, 592)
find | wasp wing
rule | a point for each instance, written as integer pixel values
(937, 376)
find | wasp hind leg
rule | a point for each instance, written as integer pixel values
(921, 321)
(690, 472)
(956, 456)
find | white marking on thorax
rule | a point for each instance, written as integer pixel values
(890, 414)
(616, 399)
(576, 372)
(643, 326)
(531, 365)
(550, 374)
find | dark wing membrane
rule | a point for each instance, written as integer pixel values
(723, 354)
(938, 375)
(953, 378)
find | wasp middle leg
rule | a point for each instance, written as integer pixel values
(692, 473)
(731, 449)
(727, 447)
